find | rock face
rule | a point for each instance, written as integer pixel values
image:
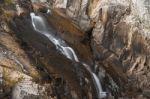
(110, 35)
(45, 51)
(120, 36)
(121, 33)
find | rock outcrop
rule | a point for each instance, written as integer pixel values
(112, 36)
(120, 37)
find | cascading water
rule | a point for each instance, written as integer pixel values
(40, 26)
(101, 93)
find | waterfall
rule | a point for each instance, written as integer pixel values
(101, 93)
(39, 25)
(49, 11)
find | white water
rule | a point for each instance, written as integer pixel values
(39, 25)
(98, 85)
(49, 11)
(102, 94)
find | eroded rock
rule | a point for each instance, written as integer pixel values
(113, 34)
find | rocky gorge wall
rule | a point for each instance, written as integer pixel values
(120, 35)
(113, 35)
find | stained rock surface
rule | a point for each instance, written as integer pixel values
(119, 38)
(111, 36)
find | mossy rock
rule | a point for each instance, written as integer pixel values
(1, 10)
(8, 2)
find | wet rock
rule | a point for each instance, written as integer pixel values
(73, 35)
(112, 33)
(45, 51)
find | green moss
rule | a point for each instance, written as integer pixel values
(34, 74)
(7, 15)
(1, 9)
(8, 81)
(8, 2)
(4, 12)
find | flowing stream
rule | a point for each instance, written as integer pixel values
(39, 25)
